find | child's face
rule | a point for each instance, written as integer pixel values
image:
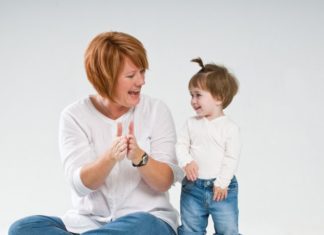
(205, 104)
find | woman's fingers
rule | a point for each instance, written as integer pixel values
(119, 147)
(131, 128)
(119, 129)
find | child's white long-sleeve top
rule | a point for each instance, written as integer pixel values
(213, 144)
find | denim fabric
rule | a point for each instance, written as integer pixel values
(139, 223)
(197, 204)
(38, 225)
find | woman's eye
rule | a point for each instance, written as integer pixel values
(130, 76)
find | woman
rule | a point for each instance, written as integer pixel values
(117, 148)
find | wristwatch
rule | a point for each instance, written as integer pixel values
(143, 161)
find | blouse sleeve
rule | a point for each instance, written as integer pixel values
(75, 149)
(163, 139)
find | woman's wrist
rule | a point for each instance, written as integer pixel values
(110, 158)
(138, 156)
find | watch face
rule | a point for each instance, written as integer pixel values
(145, 159)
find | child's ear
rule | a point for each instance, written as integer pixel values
(218, 100)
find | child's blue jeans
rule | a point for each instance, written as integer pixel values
(197, 204)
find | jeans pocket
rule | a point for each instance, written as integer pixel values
(187, 185)
(233, 186)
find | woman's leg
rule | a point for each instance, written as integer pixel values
(38, 225)
(139, 223)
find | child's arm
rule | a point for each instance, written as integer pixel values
(231, 158)
(183, 151)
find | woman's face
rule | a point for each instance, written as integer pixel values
(129, 84)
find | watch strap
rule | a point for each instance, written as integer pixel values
(143, 161)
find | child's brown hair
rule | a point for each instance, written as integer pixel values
(215, 79)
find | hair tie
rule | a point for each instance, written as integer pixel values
(199, 61)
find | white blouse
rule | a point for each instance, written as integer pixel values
(85, 134)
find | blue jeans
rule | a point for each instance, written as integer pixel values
(197, 204)
(139, 223)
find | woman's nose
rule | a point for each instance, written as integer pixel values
(140, 80)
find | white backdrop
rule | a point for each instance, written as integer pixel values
(275, 48)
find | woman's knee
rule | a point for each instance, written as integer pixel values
(21, 226)
(28, 224)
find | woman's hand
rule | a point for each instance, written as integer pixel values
(158, 175)
(191, 170)
(219, 193)
(118, 148)
(94, 174)
(134, 152)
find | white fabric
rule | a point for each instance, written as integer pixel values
(214, 145)
(85, 134)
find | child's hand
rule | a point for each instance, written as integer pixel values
(220, 193)
(191, 170)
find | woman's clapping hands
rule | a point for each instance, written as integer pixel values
(125, 145)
